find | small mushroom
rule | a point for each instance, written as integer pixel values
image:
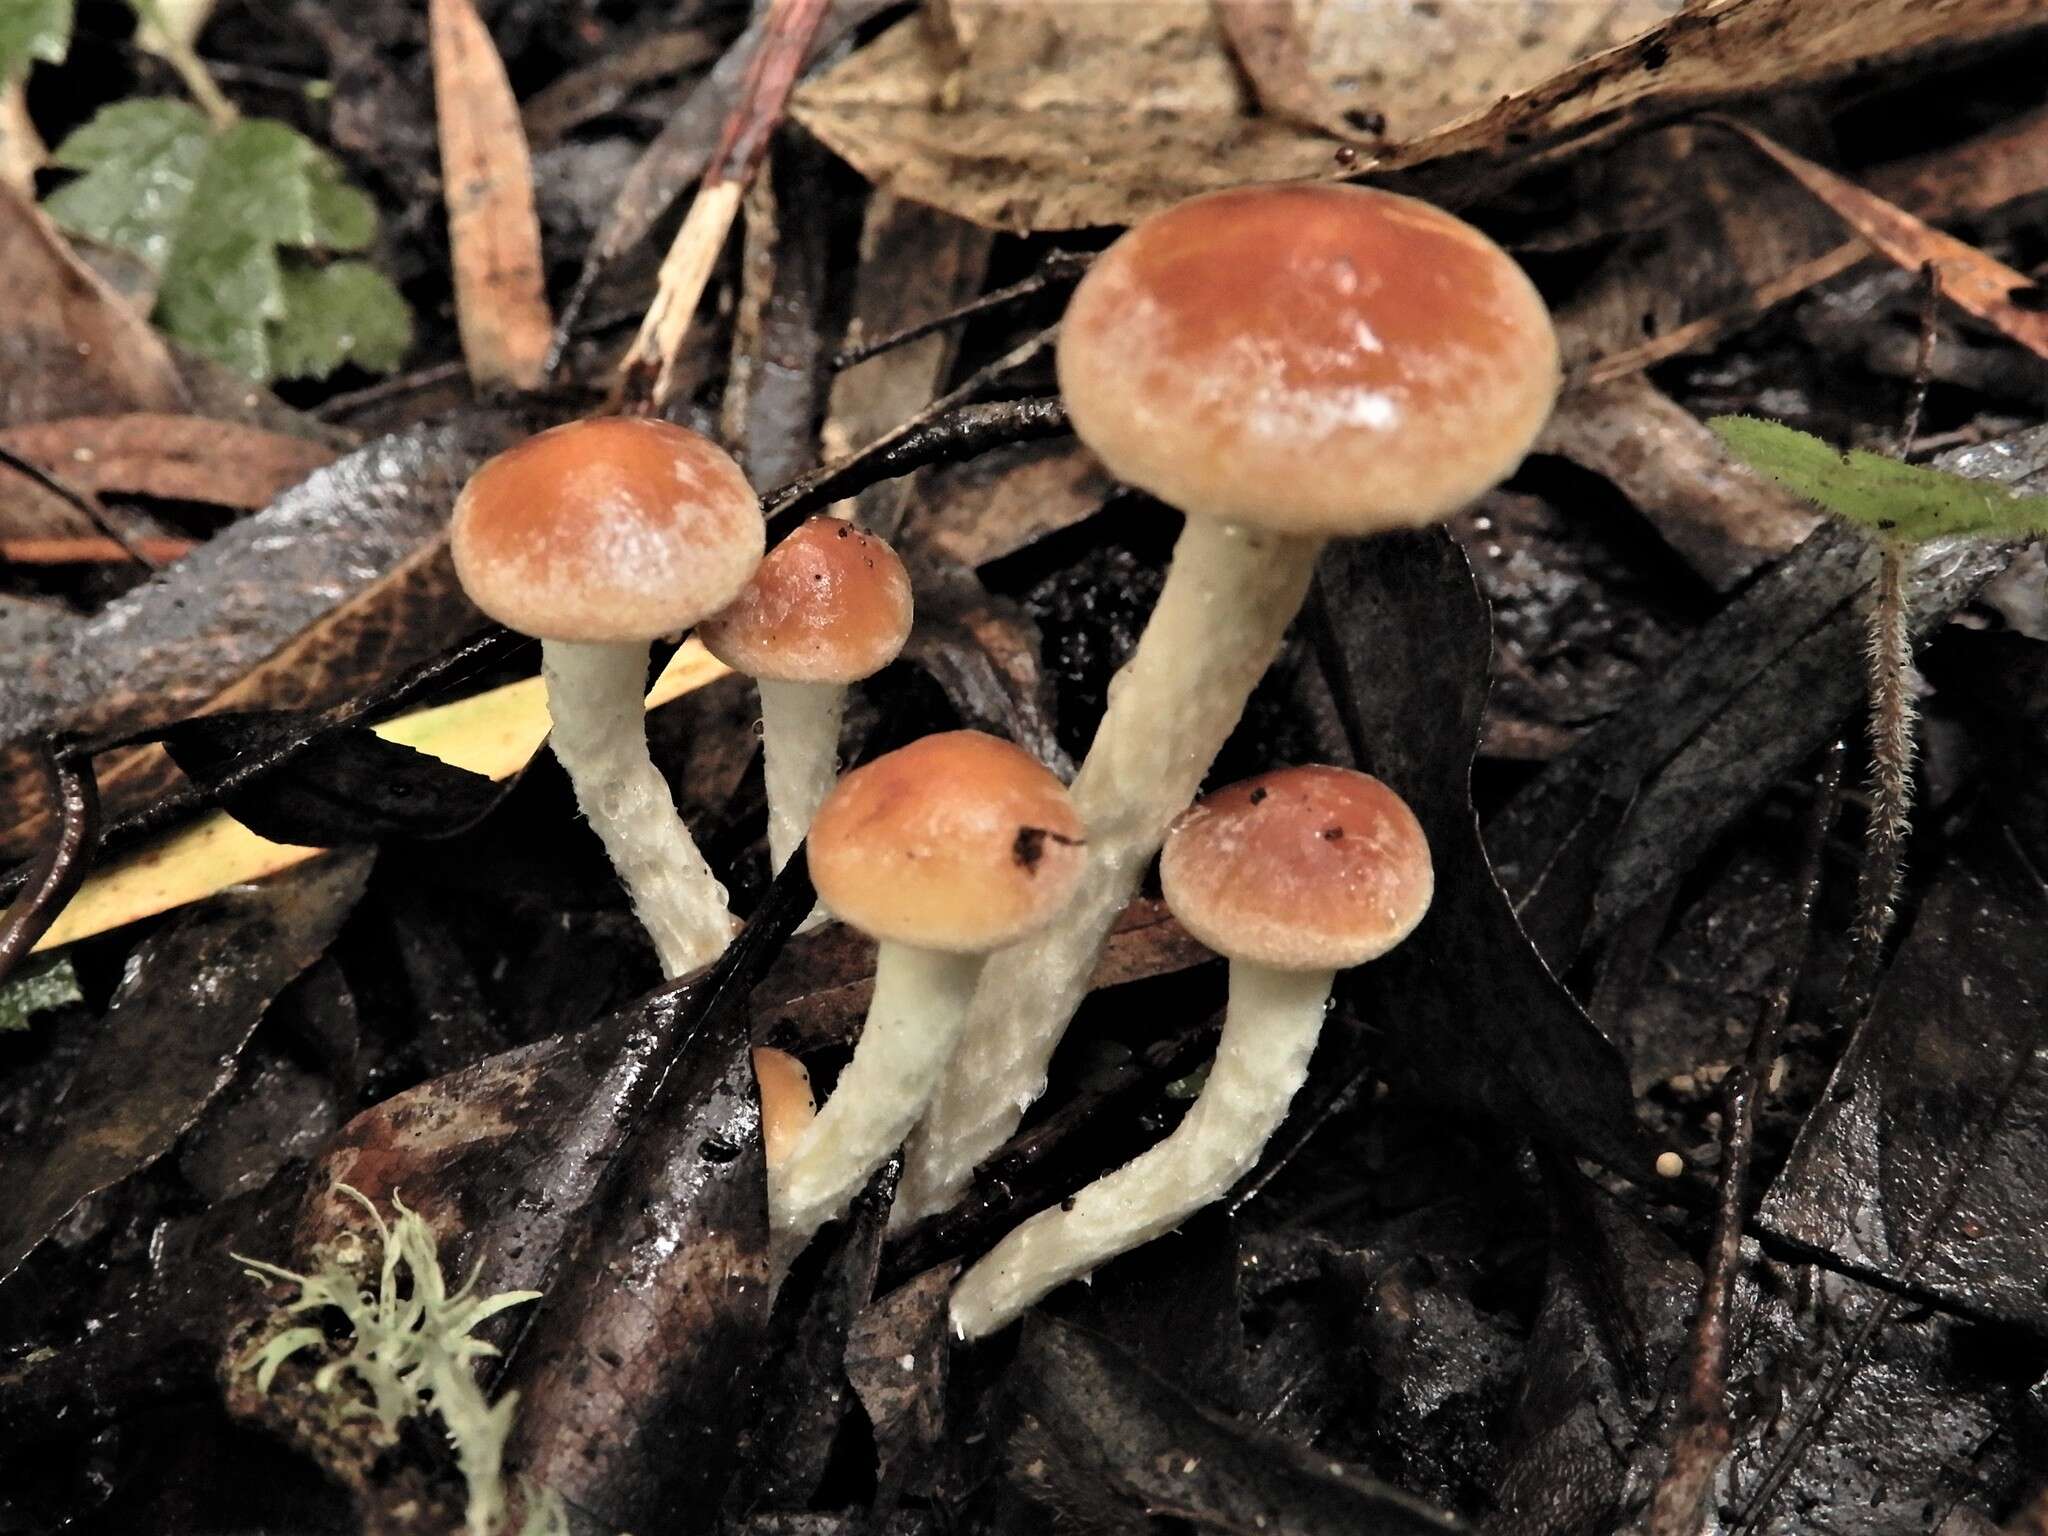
(1284, 364)
(942, 851)
(598, 537)
(1292, 876)
(828, 607)
(787, 1106)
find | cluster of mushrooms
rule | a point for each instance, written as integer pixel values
(1283, 364)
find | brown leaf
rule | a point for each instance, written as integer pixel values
(179, 458)
(1266, 39)
(70, 346)
(997, 503)
(90, 549)
(501, 304)
(607, 83)
(1146, 97)
(1981, 284)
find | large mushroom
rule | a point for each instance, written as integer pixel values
(1284, 364)
(829, 607)
(598, 537)
(941, 851)
(1293, 876)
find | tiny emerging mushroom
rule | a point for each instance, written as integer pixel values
(829, 607)
(787, 1105)
(941, 851)
(1292, 876)
(1285, 365)
(598, 537)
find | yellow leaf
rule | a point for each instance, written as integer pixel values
(494, 733)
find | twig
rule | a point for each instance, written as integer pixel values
(1057, 267)
(60, 868)
(85, 501)
(1703, 1433)
(647, 372)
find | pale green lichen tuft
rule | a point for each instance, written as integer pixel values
(412, 1352)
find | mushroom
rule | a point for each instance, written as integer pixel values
(1284, 364)
(1292, 876)
(828, 607)
(598, 537)
(941, 851)
(787, 1107)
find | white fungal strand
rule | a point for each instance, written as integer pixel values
(1261, 1061)
(596, 696)
(913, 1023)
(1229, 596)
(799, 757)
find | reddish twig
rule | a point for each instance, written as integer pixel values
(60, 868)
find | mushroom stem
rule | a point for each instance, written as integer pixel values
(799, 757)
(920, 1002)
(1229, 596)
(597, 700)
(1269, 1032)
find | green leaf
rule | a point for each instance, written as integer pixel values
(29, 992)
(33, 31)
(1907, 502)
(346, 312)
(222, 218)
(141, 161)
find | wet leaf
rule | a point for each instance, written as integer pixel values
(1907, 502)
(191, 998)
(1101, 1439)
(353, 787)
(1474, 1015)
(1761, 687)
(344, 312)
(501, 304)
(178, 458)
(896, 1357)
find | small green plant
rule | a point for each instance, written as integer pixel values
(36, 987)
(412, 1352)
(242, 222)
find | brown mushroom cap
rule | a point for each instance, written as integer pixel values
(829, 604)
(1308, 358)
(787, 1104)
(957, 842)
(615, 529)
(1303, 869)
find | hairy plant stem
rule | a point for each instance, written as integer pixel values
(1888, 656)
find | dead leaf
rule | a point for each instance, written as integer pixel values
(608, 83)
(188, 1002)
(71, 346)
(501, 304)
(999, 502)
(1266, 39)
(1146, 97)
(91, 549)
(22, 151)
(1981, 284)
(178, 458)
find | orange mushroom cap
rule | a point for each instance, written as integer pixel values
(958, 842)
(829, 604)
(1314, 359)
(615, 529)
(787, 1104)
(1302, 869)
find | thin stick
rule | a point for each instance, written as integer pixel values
(85, 501)
(1058, 267)
(60, 868)
(647, 373)
(1703, 1432)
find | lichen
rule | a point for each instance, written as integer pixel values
(412, 1353)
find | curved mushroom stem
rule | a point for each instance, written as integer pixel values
(799, 757)
(920, 1002)
(1229, 596)
(1261, 1061)
(597, 699)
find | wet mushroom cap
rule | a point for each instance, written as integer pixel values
(612, 530)
(829, 604)
(958, 842)
(1315, 359)
(1302, 869)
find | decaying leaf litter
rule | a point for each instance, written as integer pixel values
(1624, 693)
